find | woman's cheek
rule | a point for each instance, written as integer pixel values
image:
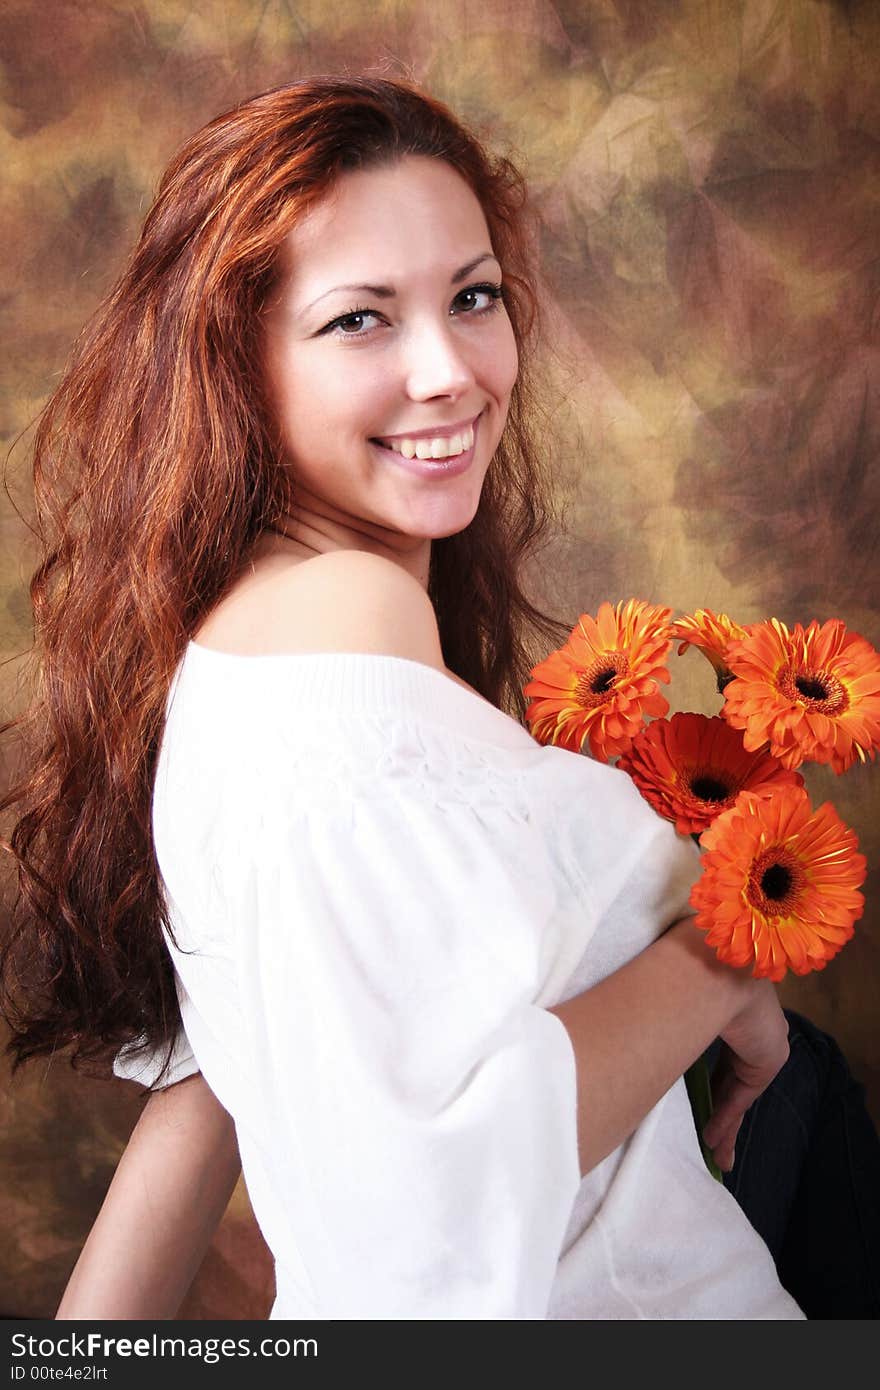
(508, 359)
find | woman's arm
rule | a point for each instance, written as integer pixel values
(635, 1032)
(170, 1190)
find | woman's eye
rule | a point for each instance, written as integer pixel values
(349, 324)
(492, 292)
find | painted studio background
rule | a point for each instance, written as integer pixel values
(708, 182)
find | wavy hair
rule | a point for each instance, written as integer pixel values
(156, 467)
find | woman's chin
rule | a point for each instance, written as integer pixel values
(445, 517)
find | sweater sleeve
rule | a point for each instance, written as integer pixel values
(423, 1106)
(133, 1064)
(633, 870)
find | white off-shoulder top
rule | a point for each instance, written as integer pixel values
(378, 883)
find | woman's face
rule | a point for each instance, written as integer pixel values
(385, 327)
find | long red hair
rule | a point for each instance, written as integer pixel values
(156, 467)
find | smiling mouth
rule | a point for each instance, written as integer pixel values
(437, 448)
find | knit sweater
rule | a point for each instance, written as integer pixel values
(378, 884)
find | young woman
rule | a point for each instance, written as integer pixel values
(439, 982)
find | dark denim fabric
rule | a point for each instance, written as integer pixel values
(807, 1175)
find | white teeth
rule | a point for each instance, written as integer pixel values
(453, 446)
(434, 448)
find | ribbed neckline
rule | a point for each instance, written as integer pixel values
(335, 682)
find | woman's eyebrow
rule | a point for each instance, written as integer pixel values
(387, 292)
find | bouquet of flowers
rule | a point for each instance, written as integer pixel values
(779, 887)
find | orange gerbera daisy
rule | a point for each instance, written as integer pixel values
(599, 687)
(809, 694)
(710, 632)
(691, 768)
(780, 884)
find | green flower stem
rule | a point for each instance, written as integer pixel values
(699, 1090)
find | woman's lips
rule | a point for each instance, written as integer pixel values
(434, 468)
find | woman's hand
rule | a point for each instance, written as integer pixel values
(754, 1049)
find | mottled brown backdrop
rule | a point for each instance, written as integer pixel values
(708, 176)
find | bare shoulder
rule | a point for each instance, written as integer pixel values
(349, 600)
(343, 601)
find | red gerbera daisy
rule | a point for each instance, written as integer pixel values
(599, 687)
(780, 882)
(809, 694)
(691, 768)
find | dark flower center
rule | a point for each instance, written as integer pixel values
(776, 881)
(602, 682)
(810, 687)
(595, 684)
(819, 690)
(709, 788)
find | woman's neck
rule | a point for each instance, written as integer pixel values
(302, 540)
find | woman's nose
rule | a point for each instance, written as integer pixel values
(436, 364)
